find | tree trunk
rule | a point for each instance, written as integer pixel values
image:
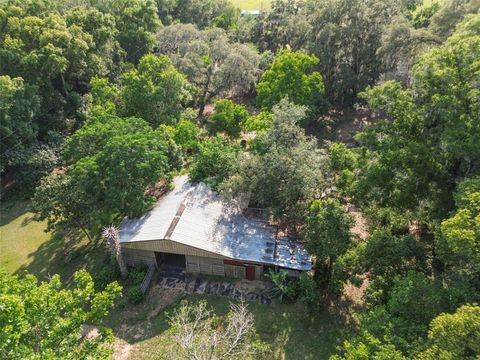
(121, 262)
(204, 98)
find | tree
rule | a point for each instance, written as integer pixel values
(327, 234)
(290, 76)
(286, 174)
(111, 161)
(457, 242)
(137, 22)
(155, 91)
(431, 134)
(104, 98)
(366, 347)
(57, 54)
(187, 135)
(46, 321)
(206, 13)
(210, 61)
(228, 117)
(19, 104)
(199, 334)
(214, 163)
(454, 336)
(286, 24)
(346, 35)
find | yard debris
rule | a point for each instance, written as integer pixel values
(254, 291)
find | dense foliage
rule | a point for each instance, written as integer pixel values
(46, 321)
(103, 102)
(290, 76)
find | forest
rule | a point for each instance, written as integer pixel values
(103, 102)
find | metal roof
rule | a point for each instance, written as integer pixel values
(196, 216)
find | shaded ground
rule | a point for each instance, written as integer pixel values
(176, 278)
(26, 247)
(341, 124)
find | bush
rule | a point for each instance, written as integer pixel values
(107, 274)
(31, 164)
(228, 117)
(135, 294)
(307, 292)
(215, 162)
(284, 287)
(136, 275)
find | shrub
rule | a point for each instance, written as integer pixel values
(107, 274)
(136, 275)
(283, 288)
(228, 118)
(32, 163)
(135, 294)
(307, 292)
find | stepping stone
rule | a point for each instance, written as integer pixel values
(251, 296)
(265, 300)
(225, 289)
(236, 294)
(200, 289)
(191, 285)
(212, 288)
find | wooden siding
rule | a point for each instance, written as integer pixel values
(236, 272)
(204, 265)
(168, 246)
(134, 257)
(258, 272)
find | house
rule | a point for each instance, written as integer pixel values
(195, 228)
(253, 13)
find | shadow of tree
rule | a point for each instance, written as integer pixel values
(12, 209)
(64, 254)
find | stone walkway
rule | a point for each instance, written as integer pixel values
(176, 278)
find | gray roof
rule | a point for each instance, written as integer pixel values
(194, 215)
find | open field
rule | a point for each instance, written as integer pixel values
(252, 4)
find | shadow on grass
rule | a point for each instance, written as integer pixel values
(12, 209)
(64, 255)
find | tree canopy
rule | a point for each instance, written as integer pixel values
(45, 320)
(291, 76)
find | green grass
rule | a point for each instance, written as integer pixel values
(290, 330)
(252, 4)
(26, 247)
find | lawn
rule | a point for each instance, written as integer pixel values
(290, 330)
(25, 246)
(252, 4)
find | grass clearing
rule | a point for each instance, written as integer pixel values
(251, 4)
(26, 247)
(290, 330)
